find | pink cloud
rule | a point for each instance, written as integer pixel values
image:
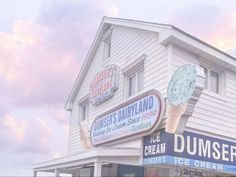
(37, 137)
(59, 115)
(26, 136)
(35, 74)
(39, 61)
(208, 22)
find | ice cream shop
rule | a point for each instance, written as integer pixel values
(150, 100)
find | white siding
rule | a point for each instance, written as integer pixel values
(213, 114)
(127, 45)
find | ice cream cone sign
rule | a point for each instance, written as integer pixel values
(84, 136)
(184, 90)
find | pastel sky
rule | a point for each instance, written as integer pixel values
(42, 46)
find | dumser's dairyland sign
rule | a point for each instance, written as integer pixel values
(104, 84)
(134, 118)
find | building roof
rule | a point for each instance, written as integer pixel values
(167, 34)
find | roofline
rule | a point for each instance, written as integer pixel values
(175, 28)
(149, 26)
(67, 106)
(201, 41)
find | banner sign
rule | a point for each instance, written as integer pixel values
(104, 84)
(191, 150)
(137, 117)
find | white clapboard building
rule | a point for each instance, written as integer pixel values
(134, 75)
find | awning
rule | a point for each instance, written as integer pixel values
(129, 156)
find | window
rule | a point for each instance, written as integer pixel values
(212, 80)
(107, 44)
(133, 73)
(84, 109)
(135, 82)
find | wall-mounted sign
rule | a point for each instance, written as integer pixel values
(185, 87)
(191, 150)
(134, 118)
(189, 172)
(104, 84)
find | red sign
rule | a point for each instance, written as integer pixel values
(103, 85)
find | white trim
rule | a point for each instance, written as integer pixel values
(134, 74)
(107, 35)
(87, 157)
(198, 48)
(222, 77)
(82, 103)
(170, 60)
(107, 45)
(130, 70)
(134, 65)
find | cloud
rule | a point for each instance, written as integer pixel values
(35, 74)
(39, 58)
(39, 61)
(208, 22)
(37, 137)
(59, 115)
(75, 22)
(25, 136)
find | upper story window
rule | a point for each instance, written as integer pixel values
(84, 109)
(107, 44)
(212, 80)
(133, 76)
(135, 82)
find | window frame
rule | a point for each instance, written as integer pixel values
(207, 88)
(84, 103)
(84, 112)
(134, 74)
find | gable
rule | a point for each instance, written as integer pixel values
(96, 51)
(167, 34)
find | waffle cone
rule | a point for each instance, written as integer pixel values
(84, 137)
(174, 114)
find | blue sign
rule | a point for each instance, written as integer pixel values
(191, 150)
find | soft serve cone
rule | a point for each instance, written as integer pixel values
(184, 90)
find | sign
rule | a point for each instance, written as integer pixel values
(188, 172)
(190, 150)
(104, 84)
(135, 118)
(185, 87)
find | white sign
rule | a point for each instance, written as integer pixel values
(136, 117)
(104, 84)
